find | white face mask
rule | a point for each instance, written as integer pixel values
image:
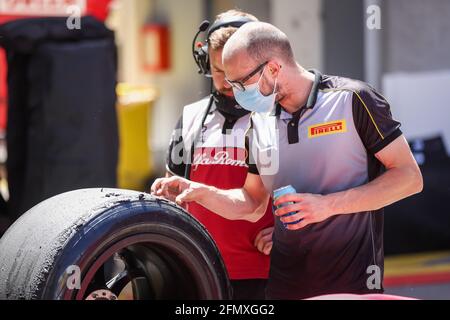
(253, 100)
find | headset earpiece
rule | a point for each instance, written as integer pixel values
(200, 53)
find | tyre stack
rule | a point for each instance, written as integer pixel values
(421, 223)
(62, 127)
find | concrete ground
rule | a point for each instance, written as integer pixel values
(421, 276)
(424, 292)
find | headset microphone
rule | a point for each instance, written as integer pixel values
(199, 53)
(203, 26)
(200, 50)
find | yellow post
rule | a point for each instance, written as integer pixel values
(134, 108)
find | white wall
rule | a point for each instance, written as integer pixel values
(301, 20)
(420, 101)
(417, 66)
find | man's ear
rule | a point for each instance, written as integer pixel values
(274, 68)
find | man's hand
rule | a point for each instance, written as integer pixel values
(263, 240)
(247, 203)
(311, 208)
(177, 189)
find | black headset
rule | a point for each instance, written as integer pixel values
(200, 50)
(201, 57)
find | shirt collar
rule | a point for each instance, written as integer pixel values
(312, 98)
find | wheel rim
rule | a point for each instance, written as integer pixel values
(156, 267)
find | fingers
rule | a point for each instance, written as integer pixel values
(263, 233)
(167, 183)
(263, 241)
(294, 197)
(268, 248)
(293, 218)
(289, 208)
(258, 239)
(267, 231)
(180, 198)
(156, 188)
(156, 185)
(168, 188)
(186, 196)
(296, 221)
(298, 226)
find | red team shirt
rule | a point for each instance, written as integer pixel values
(219, 161)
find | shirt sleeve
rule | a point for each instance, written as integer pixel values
(373, 119)
(175, 154)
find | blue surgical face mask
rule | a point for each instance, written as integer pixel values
(253, 100)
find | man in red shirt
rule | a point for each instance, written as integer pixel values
(208, 146)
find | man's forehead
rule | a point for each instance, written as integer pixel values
(238, 64)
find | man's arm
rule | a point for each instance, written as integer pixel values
(401, 179)
(248, 203)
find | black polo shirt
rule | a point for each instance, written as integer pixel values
(328, 146)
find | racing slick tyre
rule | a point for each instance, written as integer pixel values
(108, 244)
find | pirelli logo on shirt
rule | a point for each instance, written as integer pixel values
(323, 129)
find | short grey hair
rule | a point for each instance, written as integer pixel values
(261, 41)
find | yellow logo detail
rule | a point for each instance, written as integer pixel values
(323, 129)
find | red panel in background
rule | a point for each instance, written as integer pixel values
(98, 8)
(3, 91)
(157, 35)
(12, 9)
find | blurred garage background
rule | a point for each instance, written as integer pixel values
(81, 112)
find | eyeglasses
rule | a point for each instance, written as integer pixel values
(239, 84)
